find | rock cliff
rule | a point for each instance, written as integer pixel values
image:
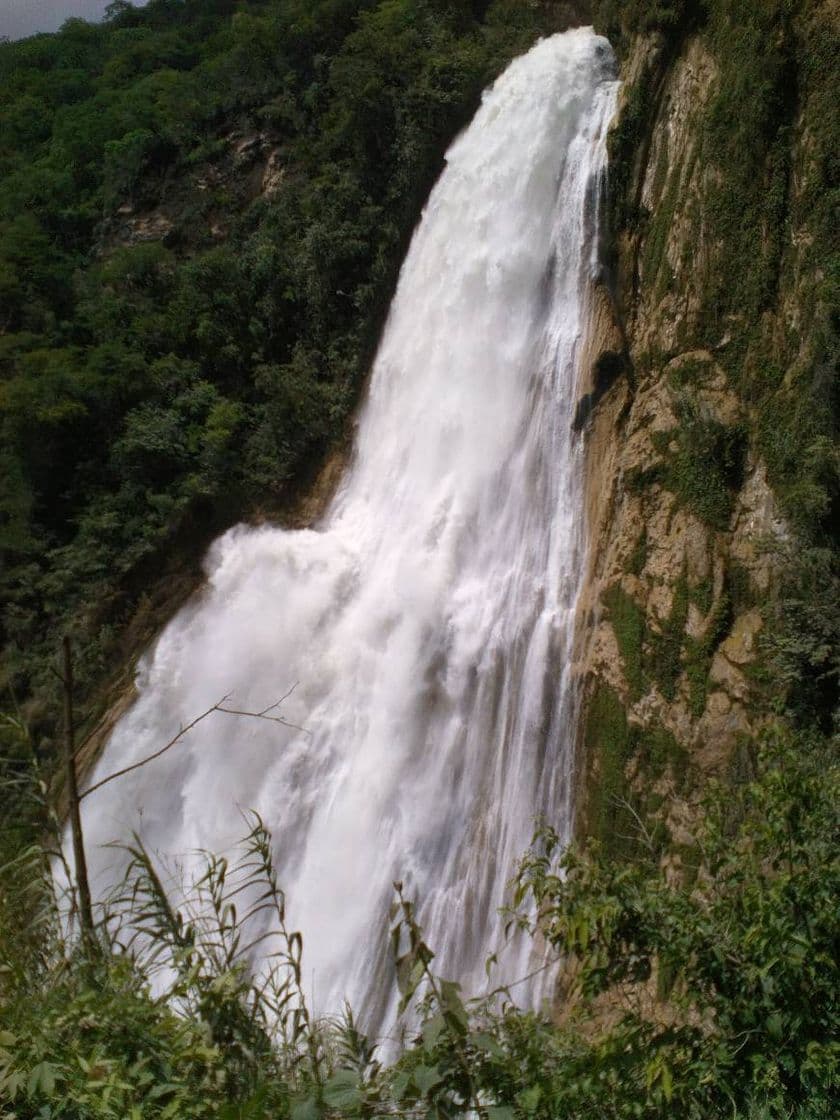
(710, 325)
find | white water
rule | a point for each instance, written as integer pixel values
(428, 618)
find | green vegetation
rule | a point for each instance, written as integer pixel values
(776, 70)
(178, 347)
(606, 741)
(659, 655)
(747, 132)
(726, 977)
(621, 19)
(700, 651)
(666, 645)
(705, 468)
(766, 213)
(802, 641)
(628, 622)
(751, 978)
(689, 373)
(638, 557)
(626, 761)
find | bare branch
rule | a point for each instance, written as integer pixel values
(277, 703)
(262, 715)
(219, 706)
(157, 754)
(644, 832)
(73, 799)
(505, 988)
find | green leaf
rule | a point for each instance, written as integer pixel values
(501, 1112)
(529, 1099)
(42, 1079)
(165, 1089)
(667, 1082)
(342, 1090)
(426, 1077)
(453, 1005)
(432, 1031)
(399, 1085)
(306, 1109)
(410, 972)
(487, 1044)
(12, 1083)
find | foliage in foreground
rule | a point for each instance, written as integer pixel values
(721, 981)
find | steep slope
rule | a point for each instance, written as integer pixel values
(712, 450)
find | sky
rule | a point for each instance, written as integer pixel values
(25, 17)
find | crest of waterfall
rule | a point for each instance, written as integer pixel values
(428, 619)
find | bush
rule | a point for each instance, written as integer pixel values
(719, 981)
(747, 952)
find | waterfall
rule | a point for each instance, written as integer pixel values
(427, 620)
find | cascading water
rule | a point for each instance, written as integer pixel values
(428, 619)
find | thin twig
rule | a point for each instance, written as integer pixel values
(277, 703)
(262, 715)
(623, 803)
(522, 979)
(217, 707)
(255, 715)
(150, 758)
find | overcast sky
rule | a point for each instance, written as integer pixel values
(25, 17)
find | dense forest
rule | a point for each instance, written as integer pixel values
(204, 205)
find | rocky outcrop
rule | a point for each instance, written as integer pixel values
(195, 206)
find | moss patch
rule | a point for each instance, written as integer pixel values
(664, 654)
(660, 656)
(628, 622)
(607, 748)
(659, 754)
(700, 652)
(638, 557)
(623, 813)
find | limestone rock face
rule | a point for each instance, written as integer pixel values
(679, 507)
